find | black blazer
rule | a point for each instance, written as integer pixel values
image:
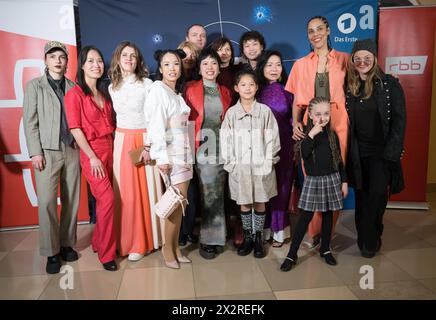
(392, 109)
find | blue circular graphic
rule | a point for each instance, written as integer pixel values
(157, 38)
(262, 14)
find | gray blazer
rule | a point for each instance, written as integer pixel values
(42, 115)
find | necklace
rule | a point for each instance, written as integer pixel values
(322, 79)
(213, 91)
(322, 76)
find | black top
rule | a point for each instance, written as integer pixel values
(58, 87)
(317, 156)
(368, 128)
(391, 106)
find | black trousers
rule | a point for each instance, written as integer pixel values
(301, 228)
(371, 202)
(188, 221)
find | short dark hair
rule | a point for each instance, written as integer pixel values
(261, 66)
(80, 75)
(180, 54)
(221, 41)
(205, 53)
(251, 35)
(193, 25)
(54, 50)
(245, 71)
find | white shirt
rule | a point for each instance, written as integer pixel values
(163, 105)
(129, 102)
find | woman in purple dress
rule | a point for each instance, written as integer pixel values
(272, 76)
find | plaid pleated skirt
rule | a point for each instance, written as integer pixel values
(321, 193)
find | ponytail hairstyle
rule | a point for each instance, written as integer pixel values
(325, 21)
(332, 137)
(180, 54)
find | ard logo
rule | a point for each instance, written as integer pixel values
(347, 22)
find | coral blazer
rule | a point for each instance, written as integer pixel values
(301, 83)
(194, 97)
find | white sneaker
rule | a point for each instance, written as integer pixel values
(135, 256)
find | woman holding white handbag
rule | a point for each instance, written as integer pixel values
(168, 136)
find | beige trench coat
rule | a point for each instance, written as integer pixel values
(249, 146)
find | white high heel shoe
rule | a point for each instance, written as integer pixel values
(183, 259)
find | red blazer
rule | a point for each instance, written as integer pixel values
(194, 97)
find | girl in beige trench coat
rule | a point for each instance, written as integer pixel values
(250, 144)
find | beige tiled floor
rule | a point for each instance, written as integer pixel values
(404, 269)
(328, 293)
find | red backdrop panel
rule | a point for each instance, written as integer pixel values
(22, 58)
(406, 48)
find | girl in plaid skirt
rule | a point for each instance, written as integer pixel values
(325, 185)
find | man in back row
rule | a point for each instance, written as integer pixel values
(196, 34)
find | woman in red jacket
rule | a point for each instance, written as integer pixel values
(91, 121)
(208, 102)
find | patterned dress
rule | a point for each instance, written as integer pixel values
(211, 175)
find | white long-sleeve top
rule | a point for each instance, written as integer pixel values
(164, 106)
(129, 102)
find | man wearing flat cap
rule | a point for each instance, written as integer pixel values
(55, 157)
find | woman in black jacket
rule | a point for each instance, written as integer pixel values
(376, 109)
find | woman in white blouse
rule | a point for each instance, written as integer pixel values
(137, 188)
(168, 135)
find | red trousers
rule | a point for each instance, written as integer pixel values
(103, 239)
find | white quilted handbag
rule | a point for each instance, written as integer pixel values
(170, 200)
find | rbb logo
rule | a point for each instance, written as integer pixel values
(406, 65)
(347, 22)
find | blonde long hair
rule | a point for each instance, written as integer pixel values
(353, 78)
(332, 137)
(115, 73)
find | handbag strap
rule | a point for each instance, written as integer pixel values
(167, 181)
(183, 207)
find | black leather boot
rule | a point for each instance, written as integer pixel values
(247, 245)
(259, 250)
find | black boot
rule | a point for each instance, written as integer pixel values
(53, 264)
(259, 251)
(69, 254)
(207, 251)
(247, 245)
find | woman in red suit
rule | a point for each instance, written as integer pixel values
(91, 122)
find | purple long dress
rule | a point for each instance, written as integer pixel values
(280, 102)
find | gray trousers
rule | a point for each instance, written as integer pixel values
(62, 169)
